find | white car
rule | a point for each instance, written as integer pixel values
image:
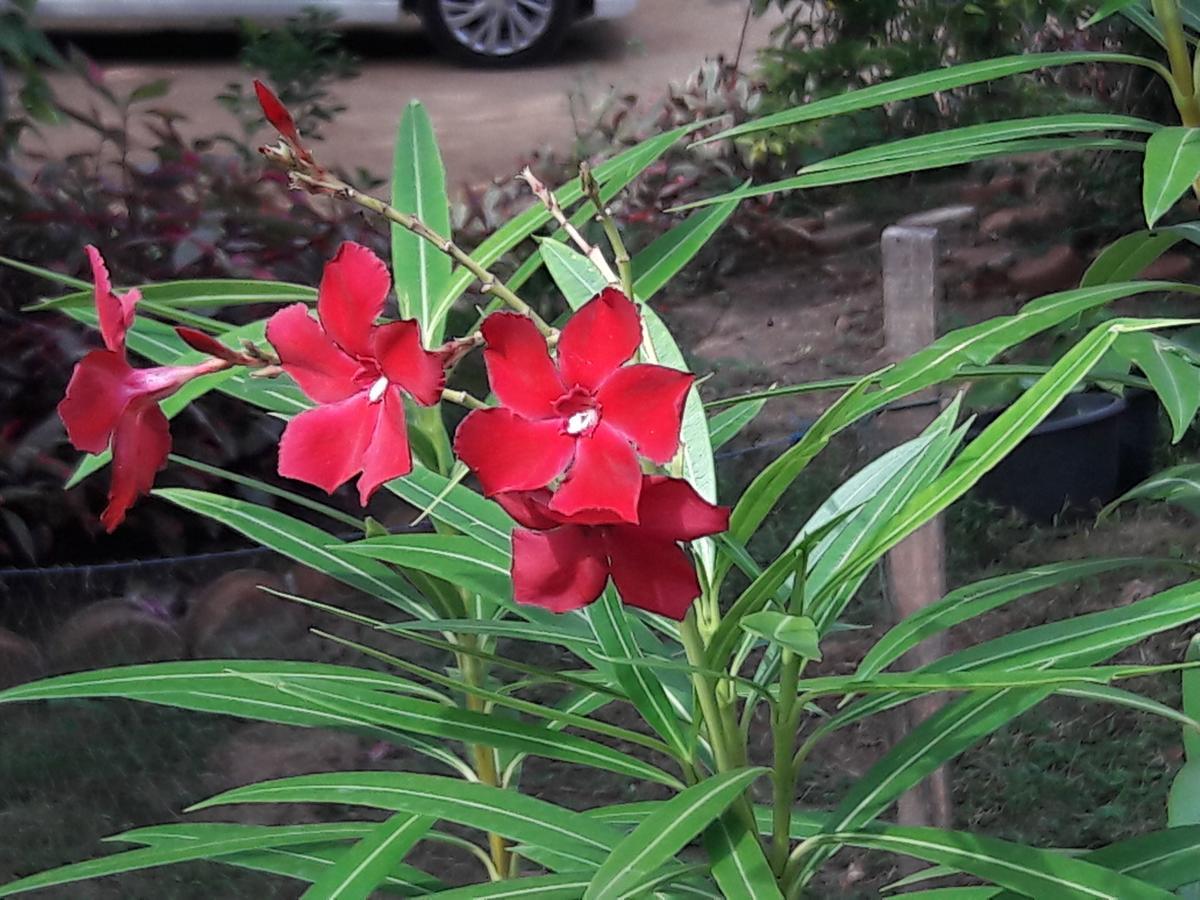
(486, 31)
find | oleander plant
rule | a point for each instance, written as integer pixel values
(573, 510)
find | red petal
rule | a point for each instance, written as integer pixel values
(353, 287)
(97, 394)
(397, 348)
(529, 508)
(603, 335)
(605, 477)
(324, 372)
(652, 575)
(140, 447)
(325, 445)
(671, 509)
(519, 366)
(509, 453)
(645, 403)
(115, 313)
(558, 570)
(277, 114)
(387, 455)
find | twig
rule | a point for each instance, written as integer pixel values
(548, 200)
(604, 215)
(462, 398)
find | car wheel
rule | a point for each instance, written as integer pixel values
(497, 32)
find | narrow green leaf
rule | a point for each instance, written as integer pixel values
(303, 543)
(367, 864)
(1126, 257)
(738, 864)
(973, 600)
(1028, 870)
(456, 506)
(1172, 164)
(516, 816)
(422, 717)
(568, 886)
(665, 832)
(987, 133)
(199, 292)
(1179, 485)
(458, 559)
(928, 83)
(667, 254)
(421, 271)
(1106, 9)
(1174, 378)
(725, 425)
(645, 691)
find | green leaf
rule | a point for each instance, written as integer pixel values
(1128, 256)
(569, 886)
(645, 691)
(1167, 858)
(303, 543)
(573, 273)
(1174, 378)
(667, 254)
(921, 162)
(456, 505)
(306, 862)
(796, 633)
(973, 600)
(928, 83)
(196, 292)
(725, 425)
(1106, 9)
(1027, 870)
(1172, 165)
(421, 271)
(149, 857)
(1179, 485)
(1001, 436)
(1103, 693)
(665, 832)
(978, 135)
(422, 717)
(516, 816)
(367, 864)
(458, 559)
(738, 864)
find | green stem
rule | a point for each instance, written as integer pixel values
(1167, 13)
(783, 738)
(475, 674)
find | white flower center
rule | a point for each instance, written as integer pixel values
(581, 421)
(375, 394)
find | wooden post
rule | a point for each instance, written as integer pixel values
(915, 569)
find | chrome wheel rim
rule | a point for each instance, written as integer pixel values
(497, 27)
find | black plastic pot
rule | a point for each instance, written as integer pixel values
(1141, 434)
(1070, 465)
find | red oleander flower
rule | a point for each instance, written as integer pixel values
(281, 120)
(110, 403)
(583, 414)
(357, 372)
(561, 564)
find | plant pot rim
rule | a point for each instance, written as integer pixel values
(1063, 416)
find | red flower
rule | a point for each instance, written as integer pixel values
(281, 120)
(583, 415)
(356, 371)
(110, 403)
(561, 565)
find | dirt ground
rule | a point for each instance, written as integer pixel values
(486, 120)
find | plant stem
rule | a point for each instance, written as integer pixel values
(475, 674)
(588, 249)
(489, 282)
(620, 252)
(693, 645)
(1167, 13)
(462, 398)
(783, 738)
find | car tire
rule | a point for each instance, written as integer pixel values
(547, 23)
